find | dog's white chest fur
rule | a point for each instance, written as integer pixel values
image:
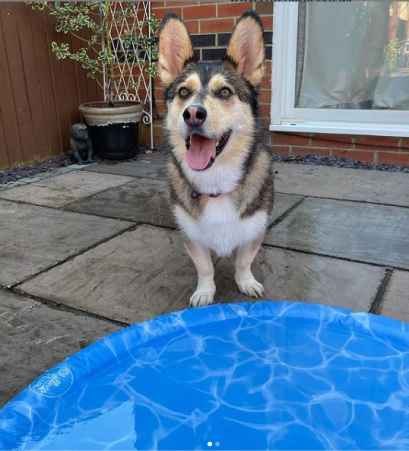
(220, 227)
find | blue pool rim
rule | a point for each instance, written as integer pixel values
(17, 416)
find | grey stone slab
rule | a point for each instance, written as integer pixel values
(145, 273)
(395, 303)
(294, 276)
(143, 200)
(33, 238)
(346, 184)
(147, 201)
(64, 189)
(35, 337)
(40, 177)
(133, 277)
(283, 203)
(357, 231)
(145, 166)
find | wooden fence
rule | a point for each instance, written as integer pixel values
(39, 96)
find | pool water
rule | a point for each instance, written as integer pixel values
(271, 375)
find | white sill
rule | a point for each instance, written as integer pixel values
(344, 128)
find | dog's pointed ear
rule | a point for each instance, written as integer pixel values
(246, 47)
(175, 48)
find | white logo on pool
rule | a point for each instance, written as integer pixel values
(54, 383)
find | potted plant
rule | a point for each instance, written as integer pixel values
(108, 58)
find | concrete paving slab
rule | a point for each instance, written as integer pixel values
(40, 177)
(340, 183)
(283, 203)
(33, 238)
(133, 277)
(145, 273)
(143, 200)
(294, 276)
(363, 232)
(145, 166)
(35, 337)
(147, 201)
(395, 303)
(64, 189)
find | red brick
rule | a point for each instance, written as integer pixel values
(233, 9)
(265, 110)
(332, 141)
(267, 22)
(159, 92)
(216, 26)
(405, 144)
(156, 4)
(265, 95)
(158, 130)
(193, 27)
(186, 3)
(302, 151)
(398, 159)
(264, 7)
(291, 140)
(199, 12)
(376, 142)
(280, 150)
(266, 82)
(364, 157)
(160, 108)
(160, 12)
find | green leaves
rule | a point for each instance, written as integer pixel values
(62, 51)
(102, 51)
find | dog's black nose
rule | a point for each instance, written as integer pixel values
(194, 115)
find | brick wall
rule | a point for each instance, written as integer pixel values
(210, 25)
(368, 149)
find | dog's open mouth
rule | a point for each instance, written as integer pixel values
(202, 152)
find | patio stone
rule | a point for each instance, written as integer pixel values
(33, 238)
(145, 166)
(294, 276)
(341, 183)
(64, 189)
(283, 203)
(35, 337)
(395, 303)
(148, 201)
(356, 231)
(143, 200)
(133, 277)
(146, 272)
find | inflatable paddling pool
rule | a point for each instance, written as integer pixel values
(270, 375)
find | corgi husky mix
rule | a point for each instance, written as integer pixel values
(219, 169)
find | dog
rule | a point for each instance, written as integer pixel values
(219, 169)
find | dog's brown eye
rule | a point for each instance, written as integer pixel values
(183, 92)
(225, 92)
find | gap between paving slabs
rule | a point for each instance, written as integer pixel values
(146, 272)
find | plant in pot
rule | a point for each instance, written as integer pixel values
(114, 44)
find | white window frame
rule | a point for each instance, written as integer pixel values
(286, 118)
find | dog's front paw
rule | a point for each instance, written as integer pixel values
(250, 287)
(201, 297)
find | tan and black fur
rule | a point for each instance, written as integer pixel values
(225, 205)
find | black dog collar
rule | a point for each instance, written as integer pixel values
(195, 195)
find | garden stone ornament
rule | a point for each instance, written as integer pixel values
(80, 144)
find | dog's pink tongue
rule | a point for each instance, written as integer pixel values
(200, 152)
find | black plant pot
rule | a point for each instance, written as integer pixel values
(113, 130)
(115, 141)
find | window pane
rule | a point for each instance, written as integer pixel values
(353, 55)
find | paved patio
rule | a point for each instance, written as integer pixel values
(90, 251)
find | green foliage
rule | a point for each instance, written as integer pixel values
(98, 54)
